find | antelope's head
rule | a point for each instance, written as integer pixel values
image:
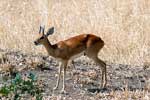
(42, 38)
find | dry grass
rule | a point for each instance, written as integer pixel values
(114, 95)
(123, 25)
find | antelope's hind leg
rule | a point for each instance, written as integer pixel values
(102, 65)
(104, 72)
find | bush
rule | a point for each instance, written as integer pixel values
(20, 87)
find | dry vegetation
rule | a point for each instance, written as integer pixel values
(125, 82)
(123, 25)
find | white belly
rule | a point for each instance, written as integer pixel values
(78, 55)
(73, 57)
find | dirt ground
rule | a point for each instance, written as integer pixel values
(125, 82)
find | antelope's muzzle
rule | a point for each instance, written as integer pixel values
(35, 42)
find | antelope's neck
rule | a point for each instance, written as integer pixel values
(49, 48)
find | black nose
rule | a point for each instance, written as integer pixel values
(35, 43)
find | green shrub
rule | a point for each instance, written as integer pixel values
(20, 86)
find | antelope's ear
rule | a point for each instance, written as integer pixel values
(50, 31)
(41, 30)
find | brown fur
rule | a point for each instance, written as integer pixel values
(77, 44)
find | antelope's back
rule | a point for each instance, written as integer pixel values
(83, 40)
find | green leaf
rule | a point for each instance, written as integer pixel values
(17, 97)
(39, 97)
(32, 76)
(5, 91)
(17, 79)
(18, 76)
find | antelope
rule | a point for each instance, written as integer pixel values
(87, 44)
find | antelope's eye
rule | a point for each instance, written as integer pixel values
(42, 37)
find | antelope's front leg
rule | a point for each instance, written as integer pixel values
(64, 73)
(59, 74)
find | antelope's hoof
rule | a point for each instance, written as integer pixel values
(103, 85)
(55, 88)
(63, 91)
